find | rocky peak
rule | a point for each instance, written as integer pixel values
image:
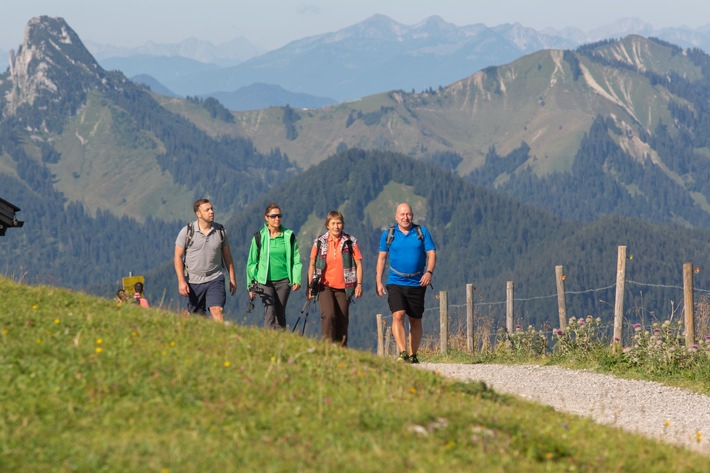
(51, 67)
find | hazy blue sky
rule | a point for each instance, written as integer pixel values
(273, 23)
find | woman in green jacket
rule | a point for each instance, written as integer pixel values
(274, 267)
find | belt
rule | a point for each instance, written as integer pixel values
(405, 275)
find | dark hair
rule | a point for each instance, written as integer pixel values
(334, 215)
(271, 207)
(118, 293)
(198, 203)
(138, 287)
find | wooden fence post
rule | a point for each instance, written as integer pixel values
(380, 335)
(470, 334)
(388, 340)
(443, 322)
(509, 299)
(561, 301)
(619, 302)
(688, 304)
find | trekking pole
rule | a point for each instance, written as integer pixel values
(306, 306)
(305, 319)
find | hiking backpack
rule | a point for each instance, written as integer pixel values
(188, 242)
(191, 233)
(390, 234)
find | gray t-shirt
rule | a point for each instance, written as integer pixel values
(203, 258)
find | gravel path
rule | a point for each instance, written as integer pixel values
(670, 414)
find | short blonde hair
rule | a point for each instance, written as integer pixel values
(334, 215)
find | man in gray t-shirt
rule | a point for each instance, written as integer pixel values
(201, 251)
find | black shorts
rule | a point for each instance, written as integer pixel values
(407, 298)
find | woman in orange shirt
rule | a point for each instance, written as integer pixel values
(335, 272)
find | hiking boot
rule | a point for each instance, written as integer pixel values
(403, 357)
(413, 359)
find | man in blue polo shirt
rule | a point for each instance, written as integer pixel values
(412, 257)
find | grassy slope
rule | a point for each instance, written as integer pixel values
(88, 386)
(109, 163)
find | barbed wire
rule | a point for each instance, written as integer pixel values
(587, 291)
(655, 285)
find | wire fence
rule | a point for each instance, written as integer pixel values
(489, 326)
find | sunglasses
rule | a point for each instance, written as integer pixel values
(275, 215)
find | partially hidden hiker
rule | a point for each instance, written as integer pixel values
(412, 258)
(138, 297)
(121, 296)
(201, 254)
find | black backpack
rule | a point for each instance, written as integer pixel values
(189, 235)
(390, 234)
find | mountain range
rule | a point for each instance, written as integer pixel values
(535, 128)
(369, 57)
(380, 54)
(595, 147)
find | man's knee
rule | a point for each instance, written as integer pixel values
(217, 313)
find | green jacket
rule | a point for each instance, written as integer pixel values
(257, 270)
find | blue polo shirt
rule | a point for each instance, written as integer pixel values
(407, 254)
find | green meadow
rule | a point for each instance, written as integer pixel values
(87, 385)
